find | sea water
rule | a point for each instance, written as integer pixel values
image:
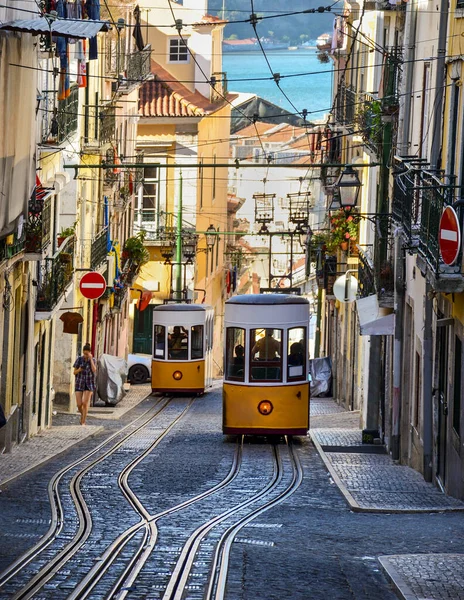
(309, 85)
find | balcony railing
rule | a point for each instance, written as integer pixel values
(138, 66)
(107, 118)
(59, 119)
(366, 276)
(99, 124)
(418, 200)
(55, 276)
(38, 226)
(12, 245)
(368, 118)
(346, 105)
(99, 249)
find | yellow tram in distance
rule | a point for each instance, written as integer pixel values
(266, 363)
(182, 348)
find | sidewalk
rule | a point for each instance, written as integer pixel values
(64, 433)
(372, 482)
(368, 478)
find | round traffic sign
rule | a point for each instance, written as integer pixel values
(345, 288)
(92, 285)
(449, 236)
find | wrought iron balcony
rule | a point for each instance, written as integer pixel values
(366, 276)
(99, 249)
(12, 245)
(138, 66)
(369, 121)
(107, 117)
(56, 274)
(59, 119)
(419, 197)
(346, 105)
(38, 227)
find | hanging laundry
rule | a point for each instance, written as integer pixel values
(93, 12)
(65, 84)
(81, 48)
(137, 33)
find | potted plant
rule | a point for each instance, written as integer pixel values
(66, 232)
(135, 251)
(344, 229)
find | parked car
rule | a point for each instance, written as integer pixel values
(139, 367)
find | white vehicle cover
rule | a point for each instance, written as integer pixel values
(321, 376)
(111, 376)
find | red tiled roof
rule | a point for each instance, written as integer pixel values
(163, 96)
(210, 20)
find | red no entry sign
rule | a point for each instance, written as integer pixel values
(92, 285)
(449, 236)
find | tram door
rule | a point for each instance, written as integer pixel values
(442, 393)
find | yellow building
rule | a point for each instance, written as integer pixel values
(183, 124)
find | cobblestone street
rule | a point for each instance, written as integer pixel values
(305, 543)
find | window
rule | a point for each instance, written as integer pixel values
(196, 337)
(178, 51)
(150, 193)
(235, 354)
(457, 385)
(160, 341)
(266, 355)
(297, 354)
(177, 343)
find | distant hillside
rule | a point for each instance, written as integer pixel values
(286, 29)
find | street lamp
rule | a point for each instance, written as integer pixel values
(210, 236)
(305, 234)
(189, 246)
(348, 186)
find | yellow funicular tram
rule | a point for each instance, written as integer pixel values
(182, 348)
(266, 362)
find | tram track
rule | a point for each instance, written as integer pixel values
(84, 530)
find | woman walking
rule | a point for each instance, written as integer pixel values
(84, 370)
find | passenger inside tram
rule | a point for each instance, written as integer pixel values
(267, 347)
(239, 355)
(296, 356)
(178, 343)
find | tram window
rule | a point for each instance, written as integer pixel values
(266, 355)
(177, 342)
(235, 354)
(297, 351)
(197, 341)
(160, 341)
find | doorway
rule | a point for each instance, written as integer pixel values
(442, 395)
(143, 325)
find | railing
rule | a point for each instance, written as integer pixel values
(346, 105)
(419, 196)
(107, 118)
(99, 249)
(369, 121)
(120, 296)
(38, 226)
(138, 65)
(55, 276)
(65, 112)
(99, 124)
(12, 245)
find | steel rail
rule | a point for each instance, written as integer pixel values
(218, 580)
(85, 521)
(85, 587)
(57, 517)
(178, 581)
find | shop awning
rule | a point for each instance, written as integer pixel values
(71, 28)
(374, 320)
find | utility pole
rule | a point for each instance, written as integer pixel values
(179, 243)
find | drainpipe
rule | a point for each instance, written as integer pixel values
(397, 345)
(427, 385)
(410, 44)
(440, 82)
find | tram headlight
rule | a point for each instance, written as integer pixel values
(265, 407)
(177, 375)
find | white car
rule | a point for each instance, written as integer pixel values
(139, 367)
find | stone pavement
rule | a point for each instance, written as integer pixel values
(367, 477)
(426, 576)
(65, 432)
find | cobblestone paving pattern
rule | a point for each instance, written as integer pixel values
(310, 546)
(428, 576)
(374, 481)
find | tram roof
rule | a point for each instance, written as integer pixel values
(267, 299)
(182, 307)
